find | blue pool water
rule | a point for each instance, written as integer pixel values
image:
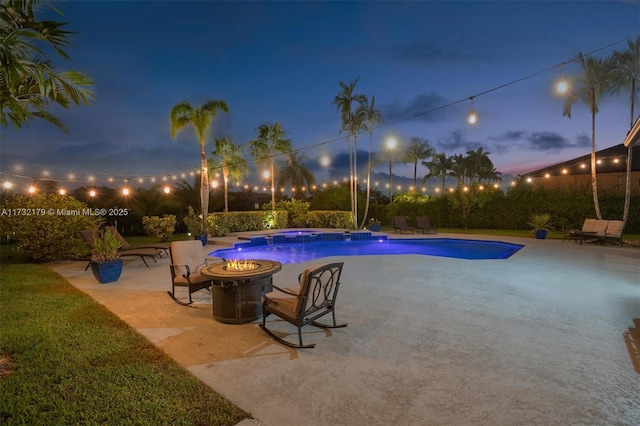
(303, 252)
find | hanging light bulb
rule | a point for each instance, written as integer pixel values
(561, 85)
(472, 118)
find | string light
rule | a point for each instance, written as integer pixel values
(472, 118)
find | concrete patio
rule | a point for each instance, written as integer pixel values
(544, 337)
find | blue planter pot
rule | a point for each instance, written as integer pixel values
(107, 272)
(203, 239)
(541, 234)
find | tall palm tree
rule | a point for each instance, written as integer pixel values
(29, 82)
(592, 83)
(229, 158)
(271, 141)
(347, 103)
(295, 173)
(372, 117)
(183, 115)
(418, 150)
(625, 73)
(440, 166)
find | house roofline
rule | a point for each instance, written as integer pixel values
(633, 136)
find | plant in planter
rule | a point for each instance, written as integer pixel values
(106, 263)
(195, 226)
(374, 225)
(540, 225)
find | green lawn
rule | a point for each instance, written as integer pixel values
(65, 359)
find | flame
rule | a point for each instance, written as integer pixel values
(241, 265)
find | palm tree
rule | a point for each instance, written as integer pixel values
(230, 160)
(271, 140)
(347, 103)
(295, 173)
(29, 82)
(625, 72)
(440, 166)
(477, 162)
(593, 82)
(459, 168)
(490, 175)
(372, 117)
(418, 150)
(182, 115)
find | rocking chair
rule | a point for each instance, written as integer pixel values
(304, 303)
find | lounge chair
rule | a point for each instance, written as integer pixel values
(587, 231)
(313, 297)
(614, 231)
(423, 224)
(400, 223)
(187, 261)
(165, 247)
(142, 253)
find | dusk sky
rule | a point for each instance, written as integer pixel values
(282, 62)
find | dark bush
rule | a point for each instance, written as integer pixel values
(46, 226)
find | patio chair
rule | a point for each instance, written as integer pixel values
(187, 261)
(587, 230)
(400, 223)
(614, 231)
(165, 247)
(304, 303)
(142, 253)
(423, 224)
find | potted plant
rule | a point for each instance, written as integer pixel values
(540, 225)
(195, 225)
(106, 263)
(374, 225)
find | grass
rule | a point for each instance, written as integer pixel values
(68, 360)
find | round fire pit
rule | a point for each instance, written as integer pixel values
(238, 287)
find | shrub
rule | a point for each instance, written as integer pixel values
(47, 226)
(330, 219)
(220, 224)
(297, 212)
(159, 227)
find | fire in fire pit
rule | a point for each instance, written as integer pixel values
(241, 265)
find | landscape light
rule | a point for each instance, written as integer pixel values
(32, 189)
(167, 189)
(92, 193)
(62, 191)
(125, 191)
(7, 185)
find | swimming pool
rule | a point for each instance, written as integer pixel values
(303, 252)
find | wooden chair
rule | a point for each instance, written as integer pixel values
(302, 304)
(423, 224)
(187, 260)
(400, 223)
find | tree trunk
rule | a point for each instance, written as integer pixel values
(273, 185)
(627, 191)
(366, 206)
(355, 182)
(225, 176)
(204, 187)
(594, 180)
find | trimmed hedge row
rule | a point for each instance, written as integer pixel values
(220, 224)
(568, 209)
